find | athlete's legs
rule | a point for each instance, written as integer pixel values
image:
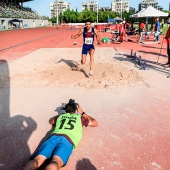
(83, 58)
(89, 49)
(34, 164)
(84, 54)
(55, 164)
(91, 63)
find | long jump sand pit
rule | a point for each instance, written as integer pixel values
(62, 68)
(131, 106)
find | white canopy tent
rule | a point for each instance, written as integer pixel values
(137, 14)
(118, 19)
(149, 12)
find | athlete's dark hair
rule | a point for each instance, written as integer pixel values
(70, 108)
(88, 20)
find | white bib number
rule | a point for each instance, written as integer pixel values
(88, 40)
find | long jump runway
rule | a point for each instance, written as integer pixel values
(131, 106)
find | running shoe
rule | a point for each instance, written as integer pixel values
(91, 73)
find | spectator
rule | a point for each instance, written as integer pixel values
(167, 37)
(124, 23)
(162, 25)
(157, 29)
(127, 25)
(133, 29)
(141, 29)
(121, 32)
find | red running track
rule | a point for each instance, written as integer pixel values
(18, 43)
(143, 132)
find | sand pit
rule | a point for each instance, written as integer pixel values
(51, 69)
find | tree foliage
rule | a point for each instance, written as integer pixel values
(71, 16)
(53, 19)
(166, 11)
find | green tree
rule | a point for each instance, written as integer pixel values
(73, 17)
(77, 17)
(167, 11)
(126, 15)
(53, 19)
(86, 14)
(66, 16)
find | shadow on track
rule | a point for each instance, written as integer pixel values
(73, 65)
(85, 164)
(158, 67)
(14, 131)
(154, 47)
(153, 53)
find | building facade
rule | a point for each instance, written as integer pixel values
(147, 3)
(89, 5)
(62, 7)
(5, 23)
(131, 9)
(120, 5)
(104, 9)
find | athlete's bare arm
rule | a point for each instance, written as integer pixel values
(78, 34)
(97, 35)
(52, 120)
(92, 121)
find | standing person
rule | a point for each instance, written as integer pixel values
(88, 34)
(162, 25)
(133, 29)
(127, 25)
(124, 23)
(167, 37)
(65, 137)
(141, 29)
(157, 29)
(121, 32)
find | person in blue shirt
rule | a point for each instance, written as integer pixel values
(157, 29)
(88, 46)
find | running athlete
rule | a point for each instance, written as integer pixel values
(88, 34)
(64, 138)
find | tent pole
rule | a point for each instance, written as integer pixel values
(147, 24)
(97, 12)
(161, 49)
(57, 13)
(121, 8)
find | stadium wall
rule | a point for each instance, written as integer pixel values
(5, 23)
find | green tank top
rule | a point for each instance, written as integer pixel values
(70, 125)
